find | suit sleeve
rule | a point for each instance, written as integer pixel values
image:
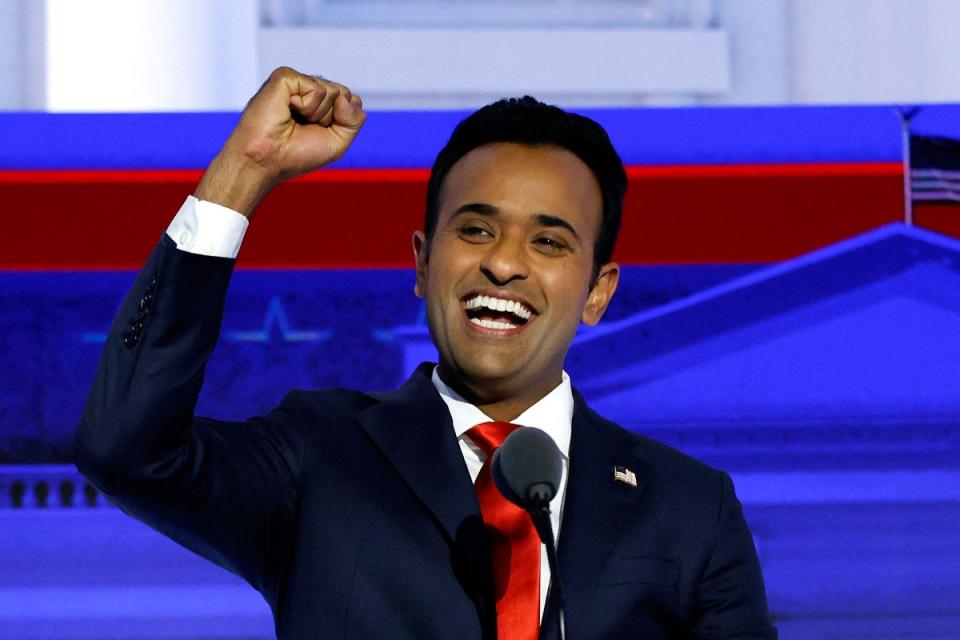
(224, 490)
(732, 602)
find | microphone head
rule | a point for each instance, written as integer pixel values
(527, 468)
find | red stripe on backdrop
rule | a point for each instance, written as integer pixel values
(191, 176)
(766, 170)
(360, 218)
(753, 213)
(943, 217)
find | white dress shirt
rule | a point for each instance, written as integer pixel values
(207, 228)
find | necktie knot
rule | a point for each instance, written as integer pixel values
(490, 435)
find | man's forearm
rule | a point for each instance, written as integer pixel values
(235, 183)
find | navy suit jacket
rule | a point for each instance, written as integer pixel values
(354, 514)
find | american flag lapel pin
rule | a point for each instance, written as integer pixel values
(624, 475)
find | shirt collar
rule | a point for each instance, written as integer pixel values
(553, 413)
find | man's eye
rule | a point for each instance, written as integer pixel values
(552, 245)
(475, 232)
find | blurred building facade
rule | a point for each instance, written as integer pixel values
(190, 55)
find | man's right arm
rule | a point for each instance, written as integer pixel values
(221, 489)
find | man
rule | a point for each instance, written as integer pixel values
(372, 515)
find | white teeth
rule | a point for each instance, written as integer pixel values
(500, 305)
(492, 324)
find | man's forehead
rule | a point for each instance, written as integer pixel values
(492, 165)
(492, 150)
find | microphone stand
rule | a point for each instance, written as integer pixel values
(539, 510)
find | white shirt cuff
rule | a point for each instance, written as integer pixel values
(208, 229)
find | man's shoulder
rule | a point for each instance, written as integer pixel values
(326, 417)
(332, 402)
(328, 401)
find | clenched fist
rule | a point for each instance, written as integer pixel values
(294, 124)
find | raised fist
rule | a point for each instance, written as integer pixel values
(294, 124)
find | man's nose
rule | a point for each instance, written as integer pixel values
(506, 260)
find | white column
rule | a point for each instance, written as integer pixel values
(11, 56)
(142, 55)
(876, 50)
(759, 32)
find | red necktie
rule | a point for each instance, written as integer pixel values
(514, 544)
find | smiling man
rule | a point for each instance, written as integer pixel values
(373, 515)
(508, 268)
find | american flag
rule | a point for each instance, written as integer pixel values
(624, 475)
(934, 169)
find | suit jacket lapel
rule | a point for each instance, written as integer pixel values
(596, 509)
(413, 429)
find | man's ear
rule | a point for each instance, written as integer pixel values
(421, 257)
(602, 292)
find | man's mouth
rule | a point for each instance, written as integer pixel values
(498, 314)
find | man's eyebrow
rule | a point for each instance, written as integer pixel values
(481, 208)
(548, 220)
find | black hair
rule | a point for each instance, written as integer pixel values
(530, 122)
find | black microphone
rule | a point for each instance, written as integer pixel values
(527, 469)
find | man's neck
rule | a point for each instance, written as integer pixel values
(500, 402)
